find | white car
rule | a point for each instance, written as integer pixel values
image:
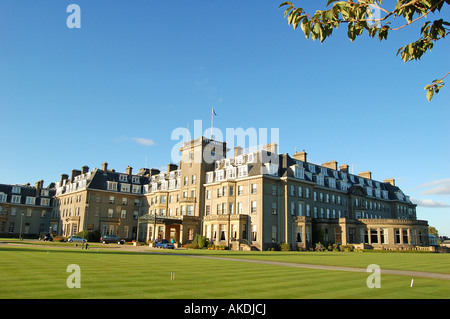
(76, 239)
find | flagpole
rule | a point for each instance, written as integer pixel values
(212, 121)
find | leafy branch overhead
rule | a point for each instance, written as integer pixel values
(371, 16)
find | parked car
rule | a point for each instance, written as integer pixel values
(164, 243)
(76, 239)
(46, 237)
(112, 239)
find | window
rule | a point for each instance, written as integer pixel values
(135, 214)
(292, 190)
(110, 212)
(231, 172)
(190, 210)
(194, 179)
(254, 188)
(124, 201)
(123, 213)
(239, 208)
(136, 189)
(243, 171)
(207, 210)
(135, 179)
(292, 208)
(231, 191)
(300, 209)
(45, 201)
(44, 192)
(16, 190)
(299, 172)
(254, 233)
(308, 210)
(253, 207)
(111, 199)
(230, 208)
(274, 208)
(300, 191)
(111, 186)
(123, 178)
(208, 194)
(31, 200)
(2, 198)
(274, 190)
(220, 175)
(219, 192)
(219, 209)
(240, 190)
(274, 233)
(15, 199)
(209, 177)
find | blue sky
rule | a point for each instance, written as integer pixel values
(115, 90)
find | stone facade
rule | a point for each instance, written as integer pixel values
(252, 200)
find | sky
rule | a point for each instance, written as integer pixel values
(119, 88)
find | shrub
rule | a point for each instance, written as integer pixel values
(319, 247)
(284, 246)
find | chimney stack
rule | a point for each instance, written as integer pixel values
(344, 168)
(390, 181)
(331, 164)
(75, 173)
(129, 170)
(271, 147)
(366, 174)
(238, 151)
(84, 169)
(301, 156)
(172, 167)
(105, 167)
(64, 177)
(39, 186)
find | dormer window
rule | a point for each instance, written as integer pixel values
(251, 158)
(231, 172)
(123, 178)
(125, 188)
(299, 172)
(239, 160)
(220, 175)
(16, 190)
(135, 179)
(272, 169)
(332, 182)
(243, 171)
(312, 168)
(320, 180)
(111, 186)
(209, 177)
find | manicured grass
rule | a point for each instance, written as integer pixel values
(37, 272)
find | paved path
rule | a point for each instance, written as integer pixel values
(319, 267)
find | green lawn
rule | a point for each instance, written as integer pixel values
(38, 272)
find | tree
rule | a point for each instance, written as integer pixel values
(369, 15)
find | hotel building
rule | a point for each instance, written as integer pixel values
(251, 200)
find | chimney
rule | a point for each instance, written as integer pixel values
(154, 171)
(84, 169)
(344, 168)
(64, 177)
(238, 151)
(75, 173)
(39, 186)
(144, 171)
(271, 147)
(172, 167)
(390, 181)
(331, 164)
(301, 156)
(105, 166)
(129, 170)
(366, 174)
